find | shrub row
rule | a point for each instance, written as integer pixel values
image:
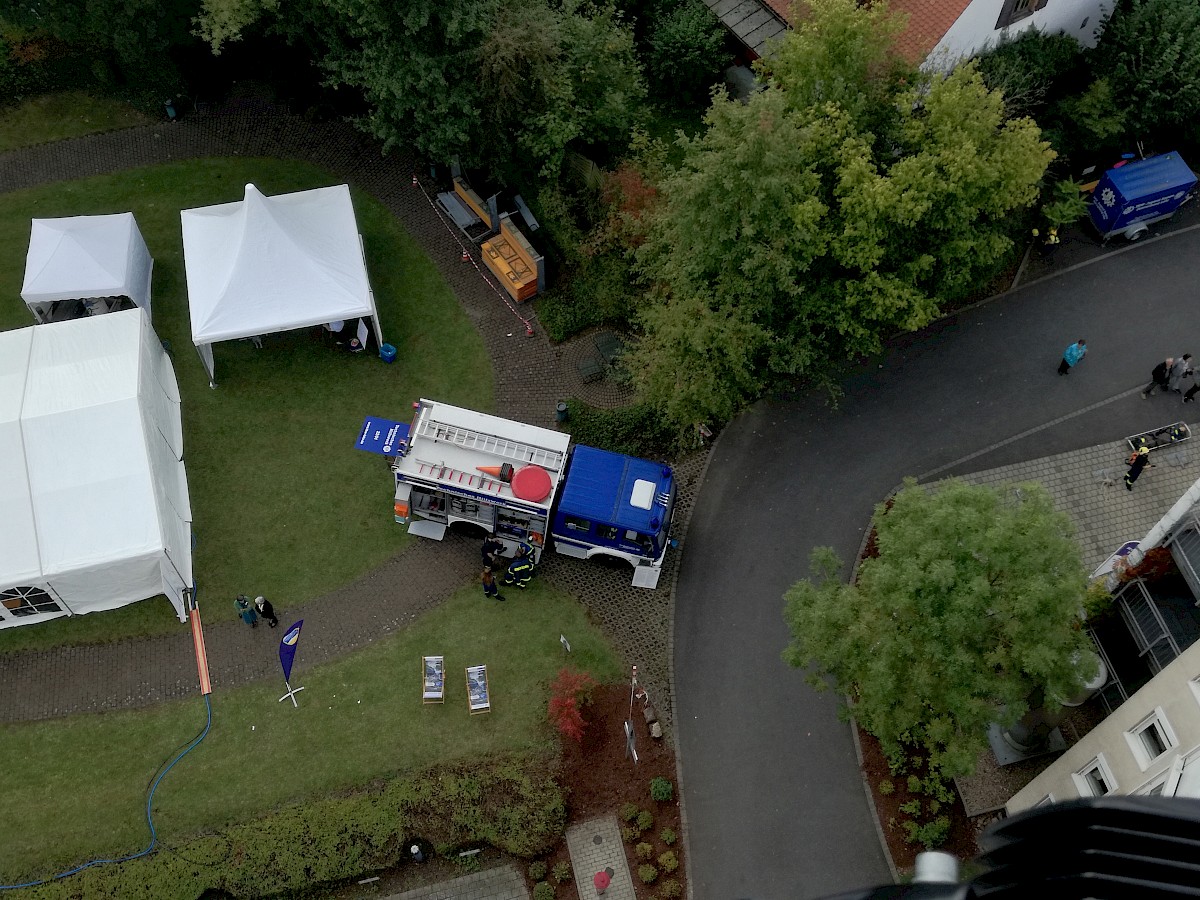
(512, 804)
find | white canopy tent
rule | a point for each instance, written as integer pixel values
(94, 496)
(267, 264)
(86, 257)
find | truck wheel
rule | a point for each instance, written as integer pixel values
(1137, 234)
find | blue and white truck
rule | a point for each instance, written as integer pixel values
(520, 483)
(1130, 198)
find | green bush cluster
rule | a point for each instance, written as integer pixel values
(647, 873)
(629, 834)
(645, 820)
(628, 812)
(543, 890)
(668, 836)
(912, 807)
(644, 850)
(511, 804)
(661, 789)
(597, 292)
(638, 430)
(887, 786)
(668, 861)
(561, 872)
(930, 835)
(670, 889)
(537, 870)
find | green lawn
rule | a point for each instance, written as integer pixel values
(52, 117)
(283, 504)
(75, 789)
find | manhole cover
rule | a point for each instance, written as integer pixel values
(597, 840)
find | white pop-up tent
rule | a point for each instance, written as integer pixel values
(86, 257)
(94, 509)
(267, 264)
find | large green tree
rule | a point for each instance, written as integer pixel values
(1149, 51)
(498, 82)
(970, 608)
(789, 214)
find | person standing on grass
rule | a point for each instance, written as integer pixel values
(1137, 462)
(1159, 377)
(490, 588)
(266, 610)
(246, 611)
(1072, 355)
(1181, 370)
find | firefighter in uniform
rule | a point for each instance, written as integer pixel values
(520, 570)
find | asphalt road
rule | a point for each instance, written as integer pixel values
(774, 799)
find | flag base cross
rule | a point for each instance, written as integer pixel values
(291, 692)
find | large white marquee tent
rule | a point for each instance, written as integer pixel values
(267, 264)
(85, 257)
(94, 509)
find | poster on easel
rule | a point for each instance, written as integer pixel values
(433, 679)
(479, 697)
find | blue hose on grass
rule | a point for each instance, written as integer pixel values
(149, 815)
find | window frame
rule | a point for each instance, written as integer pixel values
(1084, 785)
(1135, 737)
(1010, 13)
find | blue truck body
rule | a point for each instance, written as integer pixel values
(1127, 199)
(612, 502)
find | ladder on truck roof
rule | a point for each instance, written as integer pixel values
(489, 443)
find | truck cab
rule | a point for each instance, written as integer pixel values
(617, 506)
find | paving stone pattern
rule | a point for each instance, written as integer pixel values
(595, 846)
(1088, 485)
(500, 883)
(529, 381)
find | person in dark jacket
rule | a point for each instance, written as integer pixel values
(520, 570)
(492, 551)
(266, 610)
(1141, 460)
(1160, 376)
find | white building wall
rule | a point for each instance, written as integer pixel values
(975, 28)
(1176, 690)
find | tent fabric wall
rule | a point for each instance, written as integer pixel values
(266, 264)
(91, 448)
(80, 257)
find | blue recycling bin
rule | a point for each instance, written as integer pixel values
(387, 353)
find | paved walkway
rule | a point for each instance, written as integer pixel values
(500, 883)
(595, 846)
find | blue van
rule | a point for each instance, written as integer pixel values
(1129, 199)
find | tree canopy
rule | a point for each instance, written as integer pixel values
(840, 205)
(970, 607)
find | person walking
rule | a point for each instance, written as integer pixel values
(266, 610)
(1181, 370)
(246, 611)
(1072, 355)
(1137, 462)
(1159, 377)
(490, 588)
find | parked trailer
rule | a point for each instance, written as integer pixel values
(1129, 199)
(527, 484)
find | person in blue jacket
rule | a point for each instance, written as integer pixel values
(520, 570)
(1072, 355)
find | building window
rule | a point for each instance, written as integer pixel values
(574, 523)
(1150, 738)
(1095, 779)
(27, 601)
(1016, 10)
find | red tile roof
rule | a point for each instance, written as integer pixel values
(928, 22)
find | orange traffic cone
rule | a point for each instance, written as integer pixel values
(504, 472)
